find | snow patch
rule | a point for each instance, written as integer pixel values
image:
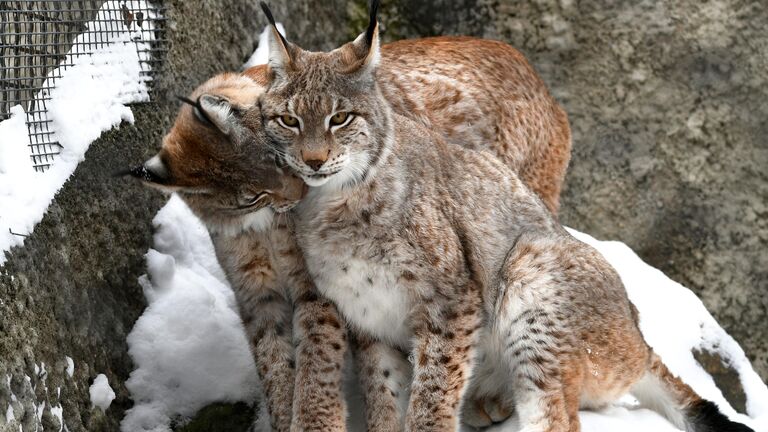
(9, 417)
(58, 412)
(101, 393)
(70, 366)
(88, 99)
(189, 345)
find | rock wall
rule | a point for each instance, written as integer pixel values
(666, 105)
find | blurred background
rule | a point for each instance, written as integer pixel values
(667, 104)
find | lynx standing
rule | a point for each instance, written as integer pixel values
(444, 252)
(216, 158)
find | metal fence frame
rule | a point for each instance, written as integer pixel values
(35, 37)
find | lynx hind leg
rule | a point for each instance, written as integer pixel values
(538, 346)
(546, 382)
(385, 375)
(571, 334)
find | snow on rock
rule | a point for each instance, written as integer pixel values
(88, 99)
(70, 366)
(101, 393)
(9, 416)
(189, 345)
(58, 412)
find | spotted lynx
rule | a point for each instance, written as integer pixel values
(215, 157)
(443, 252)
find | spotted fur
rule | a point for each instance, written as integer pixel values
(444, 252)
(217, 162)
(444, 83)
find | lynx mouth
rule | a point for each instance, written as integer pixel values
(315, 180)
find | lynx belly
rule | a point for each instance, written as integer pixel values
(368, 296)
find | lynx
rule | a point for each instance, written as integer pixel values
(443, 252)
(216, 158)
(210, 158)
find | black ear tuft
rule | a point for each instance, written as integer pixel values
(372, 23)
(271, 20)
(186, 100)
(267, 12)
(142, 173)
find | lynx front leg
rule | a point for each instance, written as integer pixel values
(384, 376)
(443, 358)
(321, 342)
(267, 320)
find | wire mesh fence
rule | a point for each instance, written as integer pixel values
(40, 39)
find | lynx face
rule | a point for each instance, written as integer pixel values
(329, 132)
(216, 159)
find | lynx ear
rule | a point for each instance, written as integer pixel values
(364, 51)
(217, 111)
(152, 172)
(280, 50)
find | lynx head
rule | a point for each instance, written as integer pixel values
(216, 158)
(323, 112)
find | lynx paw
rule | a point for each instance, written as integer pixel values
(483, 412)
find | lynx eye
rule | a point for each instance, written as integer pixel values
(251, 200)
(341, 118)
(288, 121)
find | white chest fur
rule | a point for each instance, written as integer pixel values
(368, 295)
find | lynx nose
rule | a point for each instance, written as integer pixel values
(315, 158)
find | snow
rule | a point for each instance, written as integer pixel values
(101, 393)
(189, 345)
(70, 366)
(9, 417)
(58, 412)
(88, 99)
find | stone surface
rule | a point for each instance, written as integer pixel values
(666, 101)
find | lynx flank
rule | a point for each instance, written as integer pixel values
(445, 253)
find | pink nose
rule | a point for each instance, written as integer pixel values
(315, 158)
